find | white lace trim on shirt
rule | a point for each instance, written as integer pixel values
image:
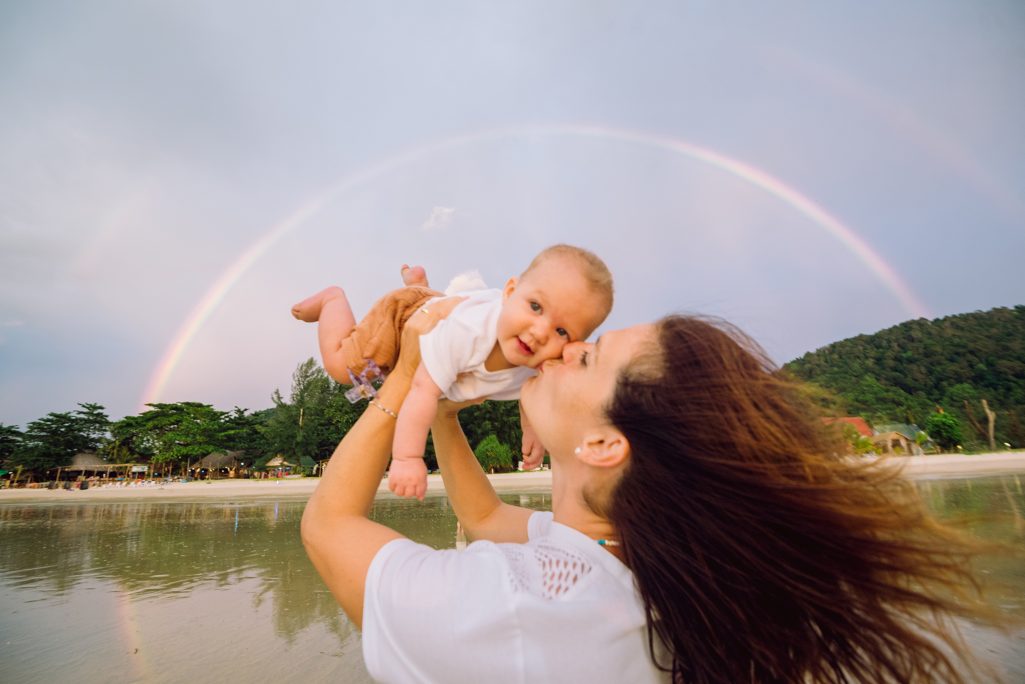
(545, 570)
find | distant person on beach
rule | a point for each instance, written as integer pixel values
(703, 529)
(487, 348)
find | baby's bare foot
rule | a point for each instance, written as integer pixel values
(414, 275)
(309, 309)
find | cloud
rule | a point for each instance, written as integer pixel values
(440, 219)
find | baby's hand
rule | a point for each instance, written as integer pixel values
(533, 450)
(407, 477)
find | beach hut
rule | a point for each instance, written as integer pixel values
(279, 467)
(88, 462)
(219, 464)
(903, 434)
(81, 463)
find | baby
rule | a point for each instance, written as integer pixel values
(487, 347)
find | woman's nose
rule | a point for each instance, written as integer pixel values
(571, 352)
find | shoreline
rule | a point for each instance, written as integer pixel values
(231, 489)
(915, 467)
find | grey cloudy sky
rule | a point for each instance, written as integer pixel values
(174, 175)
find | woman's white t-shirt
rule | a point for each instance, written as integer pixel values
(558, 608)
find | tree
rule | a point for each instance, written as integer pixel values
(498, 418)
(945, 430)
(51, 441)
(878, 401)
(859, 443)
(184, 432)
(493, 456)
(317, 415)
(131, 440)
(900, 373)
(94, 424)
(295, 426)
(306, 465)
(10, 441)
(243, 431)
(991, 419)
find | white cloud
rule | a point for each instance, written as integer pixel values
(440, 219)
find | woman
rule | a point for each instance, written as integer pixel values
(700, 532)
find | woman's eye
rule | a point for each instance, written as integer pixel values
(534, 306)
(562, 332)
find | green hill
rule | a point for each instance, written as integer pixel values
(902, 374)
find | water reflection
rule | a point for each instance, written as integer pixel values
(169, 591)
(991, 509)
(176, 591)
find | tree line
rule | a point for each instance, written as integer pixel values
(963, 375)
(304, 429)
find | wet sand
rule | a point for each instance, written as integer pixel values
(917, 467)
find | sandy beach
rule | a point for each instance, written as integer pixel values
(233, 489)
(917, 467)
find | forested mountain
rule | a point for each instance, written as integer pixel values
(907, 372)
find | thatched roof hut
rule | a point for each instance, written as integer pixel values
(278, 462)
(87, 460)
(220, 459)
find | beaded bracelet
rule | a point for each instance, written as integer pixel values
(375, 402)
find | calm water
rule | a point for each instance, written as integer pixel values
(202, 592)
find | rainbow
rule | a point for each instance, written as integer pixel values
(131, 636)
(212, 298)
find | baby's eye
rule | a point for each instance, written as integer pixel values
(534, 306)
(583, 359)
(562, 332)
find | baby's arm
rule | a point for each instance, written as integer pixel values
(533, 450)
(407, 475)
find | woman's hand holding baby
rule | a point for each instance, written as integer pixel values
(532, 449)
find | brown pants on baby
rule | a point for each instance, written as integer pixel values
(376, 338)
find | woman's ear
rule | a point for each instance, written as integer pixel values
(607, 448)
(510, 287)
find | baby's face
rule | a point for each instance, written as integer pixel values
(550, 306)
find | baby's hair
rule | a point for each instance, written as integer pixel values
(594, 270)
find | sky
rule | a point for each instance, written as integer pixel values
(175, 175)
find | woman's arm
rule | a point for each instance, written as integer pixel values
(482, 514)
(339, 538)
(533, 451)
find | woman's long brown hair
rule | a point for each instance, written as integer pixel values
(762, 553)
